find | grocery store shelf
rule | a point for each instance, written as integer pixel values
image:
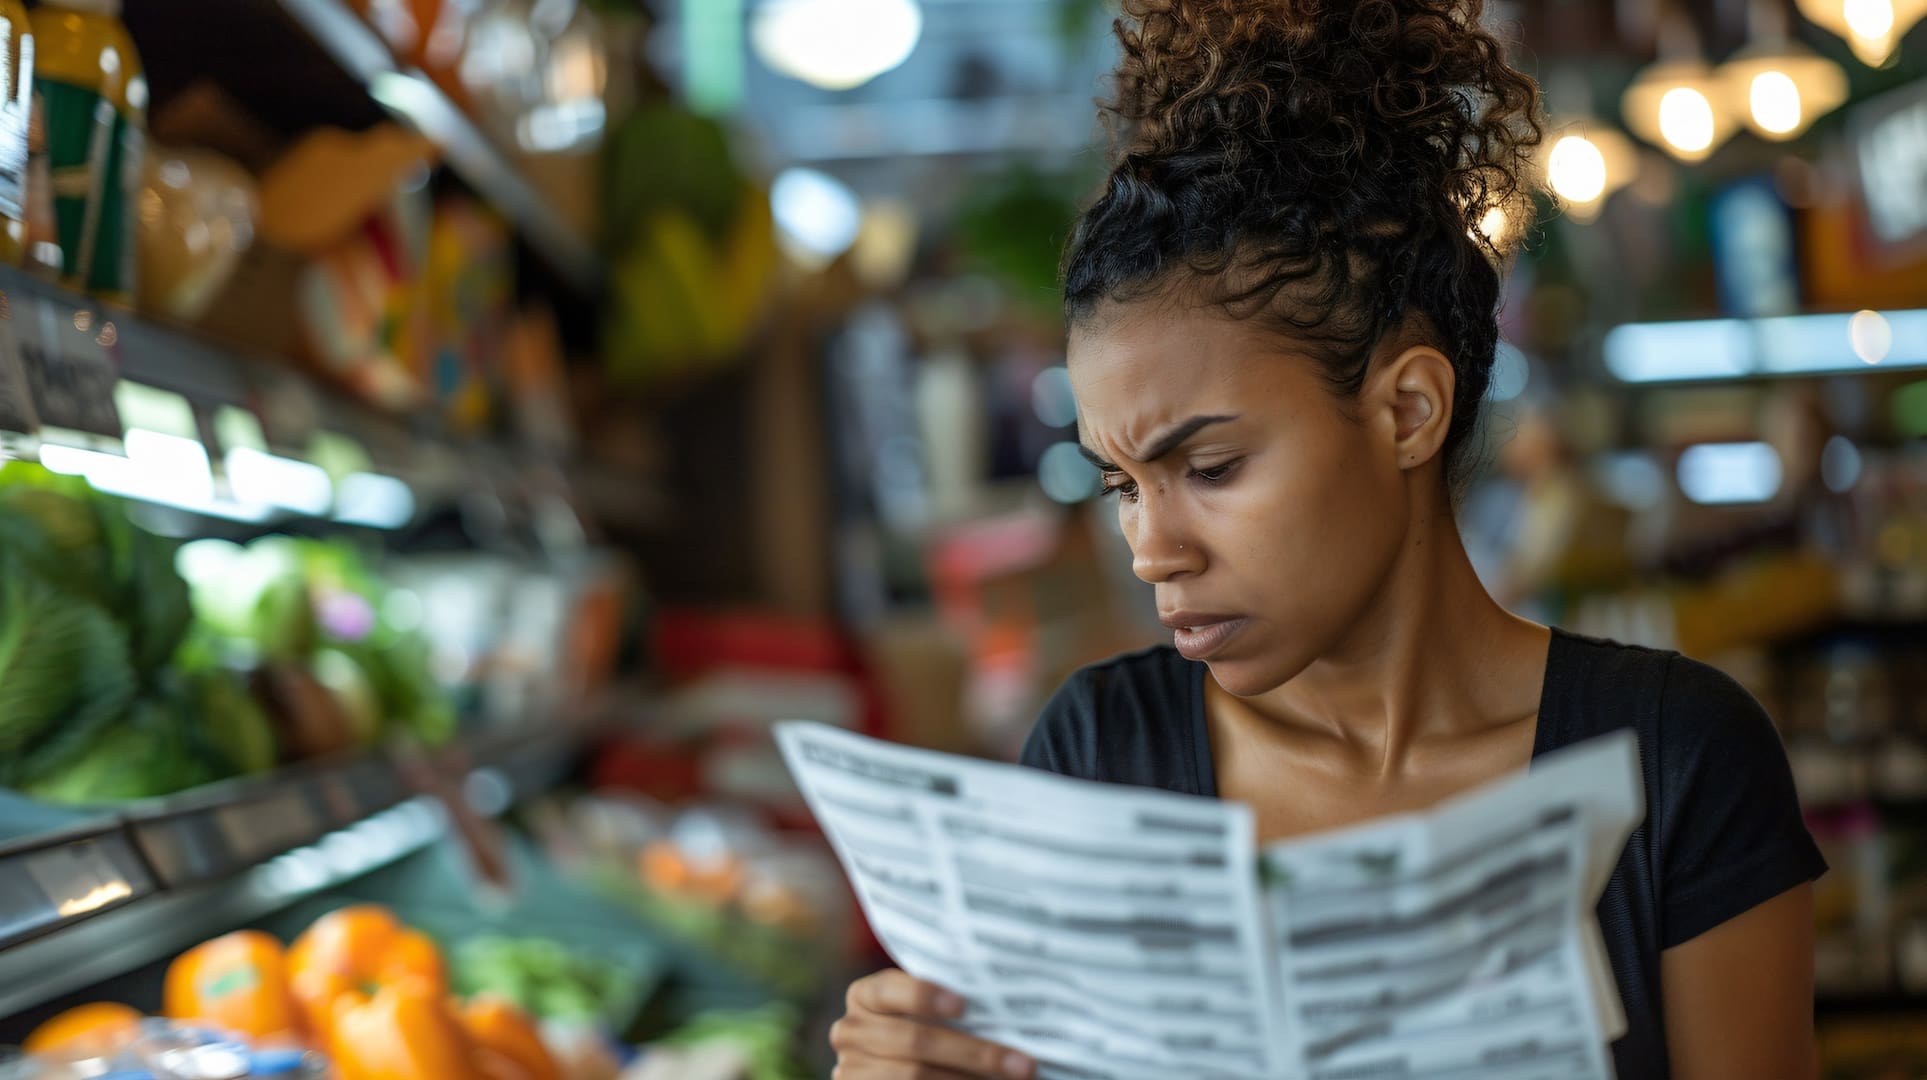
(94, 896)
(165, 357)
(414, 100)
(85, 346)
(64, 877)
(218, 831)
(292, 407)
(164, 923)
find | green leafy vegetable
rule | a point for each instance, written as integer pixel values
(64, 669)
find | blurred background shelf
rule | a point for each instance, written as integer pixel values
(93, 347)
(304, 63)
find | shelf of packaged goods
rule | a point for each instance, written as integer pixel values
(414, 100)
(147, 353)
(77, 371)
(83, 347)
(74, 350)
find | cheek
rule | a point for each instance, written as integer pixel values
(1315, 530)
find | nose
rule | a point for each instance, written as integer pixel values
(1161, 550)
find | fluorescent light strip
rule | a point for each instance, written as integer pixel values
(280, 482)
(1729, 474)
(381, 502)
(166, 470)
(1713, 349)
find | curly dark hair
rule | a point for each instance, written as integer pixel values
(1326, 165)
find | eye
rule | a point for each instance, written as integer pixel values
(1216, 474)
(1116, 484)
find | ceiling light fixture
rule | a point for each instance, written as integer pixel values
(1587, 163)
(1871, 28)
(835, 44)
(1676, 102)
(1775, 85)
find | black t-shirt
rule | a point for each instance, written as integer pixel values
(1722, 833)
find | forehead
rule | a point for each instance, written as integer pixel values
(1131, 366)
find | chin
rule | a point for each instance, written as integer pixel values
(1250, 677)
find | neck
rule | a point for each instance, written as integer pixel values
(1432, 657)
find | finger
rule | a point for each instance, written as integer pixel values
(895, 1038)
(894, 992)
(864, 1067)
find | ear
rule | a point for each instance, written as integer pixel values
(1421, 383)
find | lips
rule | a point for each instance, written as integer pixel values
(1200, 635)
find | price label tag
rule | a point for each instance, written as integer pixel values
(72, 367)
(270, 826)
(19, 421)
(82, 878)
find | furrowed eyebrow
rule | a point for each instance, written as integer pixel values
(1092, 456)
(1164, 444)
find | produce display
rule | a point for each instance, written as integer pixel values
(544, 977)
(360, 995)
(333, 663)
(357, 984)
(769, 906)
(118, 681)
(395, 305)
(92, 612)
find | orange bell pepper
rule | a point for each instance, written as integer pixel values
(103, 1026)
(404, 1031)
(499, 1027)
(237, 982)
(358, 948)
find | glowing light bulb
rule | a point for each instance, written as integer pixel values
(1869, 18)
(1871, 335)
(1872, 28)
(1780, 88)
(1686, 119)
(1775, 102)
(1577, 169)
(835, 44)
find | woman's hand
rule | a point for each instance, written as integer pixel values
(893, 1029)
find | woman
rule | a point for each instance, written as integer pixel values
(1282, 314)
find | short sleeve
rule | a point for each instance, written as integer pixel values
(1064, 740)
(1731, 833)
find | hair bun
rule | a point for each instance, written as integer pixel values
(1328, 165)
(1389, 102)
